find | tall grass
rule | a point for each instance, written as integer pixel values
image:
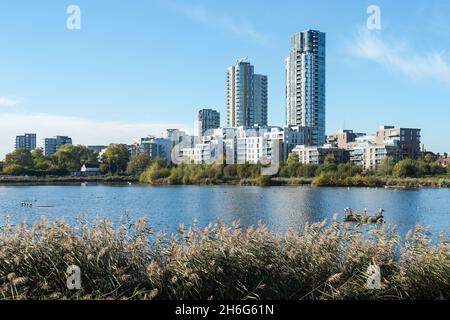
(324, 261)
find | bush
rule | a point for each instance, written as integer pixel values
(264, 181)
(406, 168)
(14, 169)
(154, 173)
(322, 180)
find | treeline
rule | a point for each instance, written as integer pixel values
(116, 161)
(328, 173)
(158, 173)
(68, 159)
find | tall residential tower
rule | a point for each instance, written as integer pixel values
(305, 83)
(246, 96)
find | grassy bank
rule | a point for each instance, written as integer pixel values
(219, 262)
(331, 180)
(4, 179)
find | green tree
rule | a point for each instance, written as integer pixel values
(293, 159)
(155, 172)
(308, 170)
(329, 159)
(230, 171)
(116, 158)
(386, 166)
(348, 169)
(138, 163)
(244, 171)
(290, 169)
(40, 161)
(19, 157)
(406, 168)
(328, 165)
(72, 157)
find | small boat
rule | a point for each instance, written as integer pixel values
(352, 215)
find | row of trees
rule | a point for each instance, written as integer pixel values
(70, 158)
(117, 161)
(200, 173)
(402, 169)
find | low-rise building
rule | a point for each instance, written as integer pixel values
(89, 170)
(407, 139)
(444, 162)
(317, 155)
(342, 138)
(366, 152)
(155, 148)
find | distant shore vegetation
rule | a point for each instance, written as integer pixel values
(116, 162)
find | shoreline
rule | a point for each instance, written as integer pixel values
(375, 182)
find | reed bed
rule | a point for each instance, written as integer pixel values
(130, 261)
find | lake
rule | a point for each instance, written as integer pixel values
(278, 207)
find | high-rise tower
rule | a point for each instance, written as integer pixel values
(305, 83)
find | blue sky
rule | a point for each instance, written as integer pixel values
(137, 67)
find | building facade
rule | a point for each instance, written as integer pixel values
(26, 141)
(408, 140)
(317, 155)
(366, 152)
(208, 119)
(246, 96)
(261, 100)
(52, 145)
(155, 148)
(342, 138)
(305, 83)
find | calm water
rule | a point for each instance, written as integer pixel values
(278, 207)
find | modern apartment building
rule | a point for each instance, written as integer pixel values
(155, 148)
(365, 151)
(261, 100)
(342, 138)
(317, 155)
(26, 141)
(305, 83)
(246, 145)
(208, 119)
(52, 145)
(408, 140)
(246, 96)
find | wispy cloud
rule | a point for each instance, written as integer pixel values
(6, 102)
(198, 13)
(82, 131)
(399, 56)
